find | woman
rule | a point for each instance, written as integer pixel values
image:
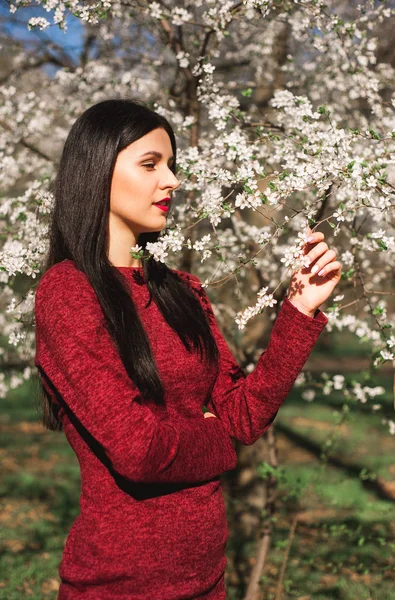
(129, 352)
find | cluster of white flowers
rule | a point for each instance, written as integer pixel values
(211, 202)
(355, 391)
(245, 200)
(387, 355)
(183, 59)
(155, 10)
(264, 5)
(391, 341)
(309, 395)
(217, 17)
(40, 22)
(179, 16)
(363, 392)
(391, 425)
(347, 258)
(200, 246)
(338, 382)
(90, 13)
(187, 122)
(264, 300)
(171, 240)
(362, 329)
(294, 257)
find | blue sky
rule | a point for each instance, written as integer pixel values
(16, 26)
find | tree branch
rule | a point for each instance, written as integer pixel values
(27, 144)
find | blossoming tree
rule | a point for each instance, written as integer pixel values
(284, 118)
(284, 114)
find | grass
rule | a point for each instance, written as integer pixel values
(344, 541)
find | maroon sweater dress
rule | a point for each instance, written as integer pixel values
(152, 520)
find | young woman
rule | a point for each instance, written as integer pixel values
(129, 352)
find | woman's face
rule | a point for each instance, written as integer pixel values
(141, 177)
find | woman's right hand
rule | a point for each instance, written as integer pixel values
(209, 414)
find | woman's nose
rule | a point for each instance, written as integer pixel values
(177, 183)
(172, 181)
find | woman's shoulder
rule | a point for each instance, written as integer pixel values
(62, 278)
(60, 271)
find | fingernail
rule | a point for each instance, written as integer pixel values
(310, 238)
(322, 272)
(315, 269)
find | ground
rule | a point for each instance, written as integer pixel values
(344, 541)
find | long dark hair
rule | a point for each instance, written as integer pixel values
(78, 231)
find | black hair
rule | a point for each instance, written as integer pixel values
(78, 230)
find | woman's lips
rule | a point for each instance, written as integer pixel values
(165, 208)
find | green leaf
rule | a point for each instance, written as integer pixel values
(348, 274)
(361, 541)
(247, 93)
(382, 245)
(374, 134)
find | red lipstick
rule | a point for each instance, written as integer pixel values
(163, 204)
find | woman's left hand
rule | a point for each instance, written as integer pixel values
(311, 286)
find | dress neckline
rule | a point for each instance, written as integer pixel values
(130, 268)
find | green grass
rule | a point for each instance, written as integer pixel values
(344, 541)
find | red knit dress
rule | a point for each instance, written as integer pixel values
(152, 522)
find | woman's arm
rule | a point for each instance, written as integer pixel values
(247, 405)
(79, 356)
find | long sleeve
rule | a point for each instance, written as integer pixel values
(79, 357)
(248, 404)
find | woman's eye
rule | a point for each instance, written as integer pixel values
(151, 165)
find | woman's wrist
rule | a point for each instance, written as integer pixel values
(303, 309)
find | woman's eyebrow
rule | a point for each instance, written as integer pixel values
(155, 153)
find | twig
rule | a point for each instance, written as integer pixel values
(253, 586)
(285, 560)
(267, 527)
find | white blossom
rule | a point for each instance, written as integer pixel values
(309, 395)
(252, 180)
(263, 300)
